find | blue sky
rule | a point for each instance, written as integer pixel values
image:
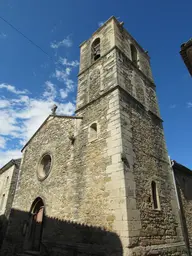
(30, 82)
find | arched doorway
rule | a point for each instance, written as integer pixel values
(35, 226)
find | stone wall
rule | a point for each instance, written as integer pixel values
(5, 183)
(103, 182)
(123, 41)
(8, 182)
(146, 161)
(132, 80)
(86, 181)
(145, 158)
(62, 237)
(97, 80)
(184, 182)
(106, 35)
(13, 184)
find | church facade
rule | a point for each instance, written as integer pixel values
(100, 182)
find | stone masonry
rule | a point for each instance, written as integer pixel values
(183, 178)
(8, 182)
(102, 183)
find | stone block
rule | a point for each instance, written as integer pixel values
(116, 158)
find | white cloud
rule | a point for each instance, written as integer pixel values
(6, 156)
(2, 142)
(22, 117)
(8, 123)
(63, 93)
(66, 109)
(62, 75)
(66, 42)
(189, 104)
(70, 85)
(65, 62)
(4, 103)
(22, 124)
(3, 35)
(36, 112)
(12, 89)
(50, 91)
(21, 114)
(22, 99)
(100, 23)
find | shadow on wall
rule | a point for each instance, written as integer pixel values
(184, 222)
(3, 227)
(57, 238)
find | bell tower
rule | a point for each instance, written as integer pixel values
(126, 157)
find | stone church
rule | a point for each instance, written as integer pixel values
(101, 182)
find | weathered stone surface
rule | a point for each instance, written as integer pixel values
(104, 183)
(183, 178)
(8, 182)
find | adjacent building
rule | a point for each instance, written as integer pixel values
(8, 182)
(183, 178)
(100, 182)
(186, 54)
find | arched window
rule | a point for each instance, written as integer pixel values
(134, 54)
(155, 195)
(93, 131)
(95, 49)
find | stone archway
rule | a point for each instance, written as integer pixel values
(35, 226)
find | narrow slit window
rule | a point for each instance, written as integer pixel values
(155, 195)
(134, 54)
(93, 131)
(96, 52)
